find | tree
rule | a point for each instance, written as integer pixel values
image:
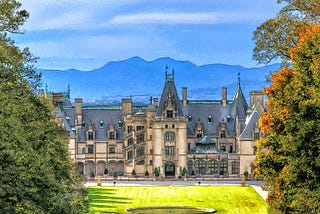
(36, 172)
(275, 37)
(289, 157)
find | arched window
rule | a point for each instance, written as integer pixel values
(213, 167)
(200, 167)
(169, 136)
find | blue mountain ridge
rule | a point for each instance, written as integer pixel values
(141, 79)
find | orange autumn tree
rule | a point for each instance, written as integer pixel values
(289, 156)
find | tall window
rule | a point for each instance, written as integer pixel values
(111, 135)
(169, 136)
(256, 136)
(129, 155)
(90, 135)
(213, 167)
(140, 151)
(170, 150)
(129, 129)
(130, 141)
(200, 167)
(140, 138)
(169, 113)
(224, 167)
(90, 149)
(235, 167)
(223, 133)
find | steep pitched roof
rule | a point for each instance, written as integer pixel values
(251, 120)
(201, 111)
(169, 97)
(239, 106)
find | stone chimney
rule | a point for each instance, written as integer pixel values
(256, 100)
(78, 111)
(224, 96)
(184, 96)
(127, 106)
(155, 102)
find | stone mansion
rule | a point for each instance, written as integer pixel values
(169, 134)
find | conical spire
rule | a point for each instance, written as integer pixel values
(240, 105)
(169, 98)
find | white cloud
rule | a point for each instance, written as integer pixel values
(186, 18)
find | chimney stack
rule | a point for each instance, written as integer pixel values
(184, 96)
(224, 96)
(78, 111)
(256, 100)
(155, 102)
(127, 106)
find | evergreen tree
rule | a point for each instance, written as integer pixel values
(36, 172)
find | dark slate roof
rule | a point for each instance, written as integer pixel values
(251, 120)
(94, 116)
(200, 111)
(239, 106)
(169, 90)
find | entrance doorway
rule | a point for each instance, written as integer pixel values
(169, 169)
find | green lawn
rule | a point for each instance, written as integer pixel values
(225, 199)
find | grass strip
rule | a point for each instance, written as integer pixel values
(224, 199)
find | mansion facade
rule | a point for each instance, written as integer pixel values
(168, 135)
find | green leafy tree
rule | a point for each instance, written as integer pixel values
(276, 36)
(36, 172)
(289, 157)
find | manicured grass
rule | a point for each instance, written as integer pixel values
(224, 199)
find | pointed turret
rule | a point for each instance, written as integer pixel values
(239, 105)
(169, 106)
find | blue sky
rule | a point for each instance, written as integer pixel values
(86, 34)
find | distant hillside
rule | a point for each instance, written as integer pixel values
(141, 79)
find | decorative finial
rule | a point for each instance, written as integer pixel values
(239, 80)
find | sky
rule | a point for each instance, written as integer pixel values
(87, 34)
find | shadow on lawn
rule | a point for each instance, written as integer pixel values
(104, 199)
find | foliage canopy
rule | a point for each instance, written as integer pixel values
(289, 156)
(36, 172)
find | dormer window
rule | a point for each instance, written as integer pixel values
(120, 124)
(223, 133)
(101, 124)
(83, 124)
(111, 135)
(169, 114)
(209, 119)
(189, 119)
(90, 135)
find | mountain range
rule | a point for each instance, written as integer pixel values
(141, 79)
